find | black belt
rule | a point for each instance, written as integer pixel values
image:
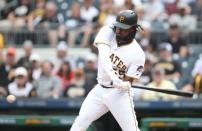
(106, 86)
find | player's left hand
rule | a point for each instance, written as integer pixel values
(120, 84)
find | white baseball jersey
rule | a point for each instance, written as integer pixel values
(127, 60)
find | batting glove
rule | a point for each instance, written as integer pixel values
(125, 86)
(120, 84)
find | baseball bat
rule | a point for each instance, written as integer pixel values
(167, 91)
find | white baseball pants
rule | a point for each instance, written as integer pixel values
(101, 100)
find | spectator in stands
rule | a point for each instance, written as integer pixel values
(3, 92)
(37, 13)
(197, 67)
(129, 4)
(159, 81)
(197, 77)
(106, 16)
(66, 75)
(74, 19)
(39, 9)
(171, 6)
(48, 85)
(76, 89)
(61, 56)
(186, 61)
(77, 26)
(146, 75)
(175, 39)
(166, 62)
(34, 69)
(196, 9)
(121, 3)
(90, 72)
(107, 13)
(18, 13)
(147, 42)
(88, 11)
(154, 12)
(141, 14)
(7, 70)
(195, 84)
(53, 23)
(20, 87)
(5, 24)
(1, 57)
(2, 4)
(184, 20)
(24, 60)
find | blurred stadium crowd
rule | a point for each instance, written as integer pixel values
(66, 24)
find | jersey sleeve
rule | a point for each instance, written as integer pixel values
(135, 70)
(104, 36)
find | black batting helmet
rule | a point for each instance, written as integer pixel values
(126, 19)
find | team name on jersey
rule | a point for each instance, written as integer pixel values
(118, 65)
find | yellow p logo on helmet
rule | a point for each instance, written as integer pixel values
(122, 18)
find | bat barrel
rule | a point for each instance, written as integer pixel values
(167, 91)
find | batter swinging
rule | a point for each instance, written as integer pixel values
(120, 62)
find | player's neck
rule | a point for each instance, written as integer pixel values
(123, 43)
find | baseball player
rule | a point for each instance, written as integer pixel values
(120, 62)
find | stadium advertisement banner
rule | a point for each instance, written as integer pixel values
(36, 120)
